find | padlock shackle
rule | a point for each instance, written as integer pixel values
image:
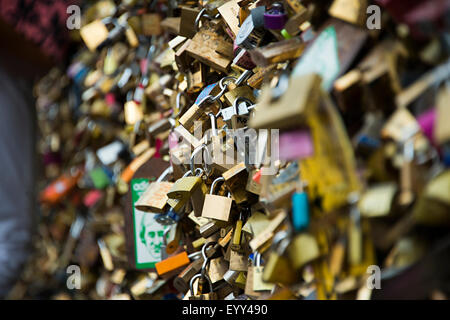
(282, 86)
(199, 275)
(243, 77)
(224, 86)
(213, 184)
(257, 259)
(212, 117)
(236, 101)
(165, 173)
(281, 241)
(165, 235)
(206, 167)
(178, 102)
(203, 14)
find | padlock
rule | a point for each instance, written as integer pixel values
(236, 116)
(185, 189)
(187, 21)
(285, 50)
(349, 10)
(154, 198)
(278, 268)
(202, 47)
(275, 18)
(249, 283)
(93, 34)
(216, 207)
(60, 187)
(253, 184)
(258, 270)
(220, 161)
(181, 282)
(300, 210)
(204, 279)
(249, 35)
(217, 268)
(269, 230)
(302, 250)
(237, 235)
(209, 228)
(172, 263)
(285, 114)
(230, 276)
(229, 12)
(197, 112)
(294, 22)
(236, 180)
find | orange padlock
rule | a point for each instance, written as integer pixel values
(172, 263)
(60, 187)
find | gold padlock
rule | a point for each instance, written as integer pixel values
(93, 34)
(185, 189)
(301, 96)
(236, 180)
(278, 268)
(302, 250)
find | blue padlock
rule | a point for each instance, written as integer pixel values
(168, 218)
(205, 92)
(300, 211)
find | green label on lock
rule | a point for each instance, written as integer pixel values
(148, 234)
(321, 58)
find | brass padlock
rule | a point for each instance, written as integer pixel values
(238, 261)
(236, 180)
(204, 279)
(258, 283)
(217, 268)
(290, 110)
(181, 282)
(93, 34)
(187, 21)
(202, 47)
(217, 207)
(302, 250)
(185, 189)
(278, 268)
(154, 198)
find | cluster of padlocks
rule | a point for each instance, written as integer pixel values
(244, 149)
